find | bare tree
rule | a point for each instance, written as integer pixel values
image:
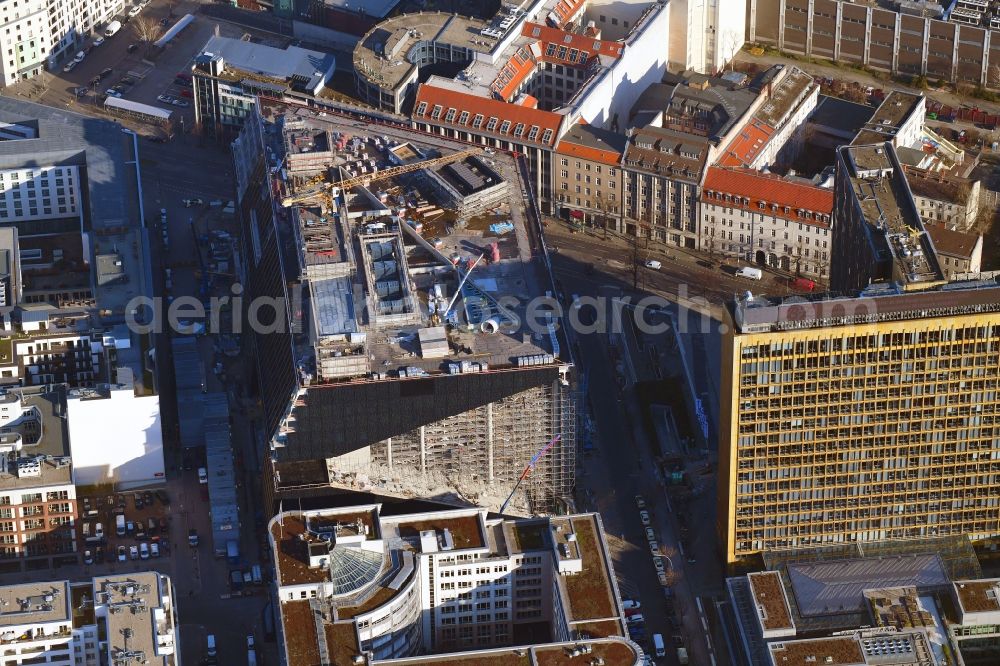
(146, 29)
(732, 41)
(993, 76)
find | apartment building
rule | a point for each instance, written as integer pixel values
(767, 220)
(588, 176)
(944, 200)
(122, 619)
(37, 491)
(959, 253)
(229, 74)
(439, 582)
(36, 34)
(879, 37)
(663, 169)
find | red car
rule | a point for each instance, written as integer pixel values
(185, 93)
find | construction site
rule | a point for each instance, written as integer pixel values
(416, 372)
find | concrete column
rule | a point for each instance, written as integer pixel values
(838, 24)
(810, 18)
(984, 76)
(752, 28)
(925, 47)
(388, 452)
(423, 452)
(489, 439)
(954, 54)
(781, 25)
(868, 32)
(895, 40)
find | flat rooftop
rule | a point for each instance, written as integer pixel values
(785, 97)
(839, 651)
(34, 603)
(889, 117)
(131, 600)
(308, 68)
(978, 596)
(759, 314)
(382, 55)
(589, 595)
(769, 595)
(894, 224)
(44, 433)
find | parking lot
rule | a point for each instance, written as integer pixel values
(124, 63)
(144, 521)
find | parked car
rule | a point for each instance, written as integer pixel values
(133, 552)
(80, 55)
(121, 554)
(186, 93)
(166, 99)
(70, 66)
(113, 92)
(98, 41)
(181, 103)
(129, 527)
(144, 550)
(88, 557)
(629, 604)
(202, 475)
(105, 73)
(640, 502)
(654, 264)
(644, 517)
(193, 202)
(154, 549)
(139, 503)
(654, 547)
(650, 534)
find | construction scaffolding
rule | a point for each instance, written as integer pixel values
(480, 454)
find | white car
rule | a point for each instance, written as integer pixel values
(202, 475)
(629, 604)
(154, 549)
(640, 502)
(144, 550)
(249, 641)
(98, 41)
(134, 11)
(644, 517)
(133, 552)
(80, 55)
(654, 264)
(70, 65)
(654, 547)
(650, 534)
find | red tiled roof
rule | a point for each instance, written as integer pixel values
(520, 66)
(431, 97)
(747, 144)
(567, 9)
(751, 187)
(588, 153)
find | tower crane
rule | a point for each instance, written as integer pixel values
(324, 190)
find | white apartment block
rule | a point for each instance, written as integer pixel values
(83, 624)
(765, 220)
(40, 193)
(438, 581)
(36, 34)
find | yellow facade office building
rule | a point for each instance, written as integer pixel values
(862, 418)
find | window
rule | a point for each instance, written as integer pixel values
(547, 138)
(421, 108)
(519, 129)
(464, 118)
(436, 112)
(491, 124)
(505, 127)
(450, 116)
(477, 121)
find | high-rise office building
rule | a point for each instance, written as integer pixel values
(869, 416)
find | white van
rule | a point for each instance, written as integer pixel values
(210, 641)
(750, 273)
(661, 651)
(120, 525)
